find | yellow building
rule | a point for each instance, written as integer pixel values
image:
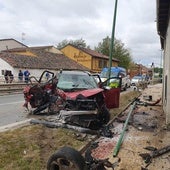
(88, 58)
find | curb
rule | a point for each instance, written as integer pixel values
(13, 126)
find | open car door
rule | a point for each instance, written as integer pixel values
(112, 89)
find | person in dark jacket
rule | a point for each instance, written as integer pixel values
(20, 76)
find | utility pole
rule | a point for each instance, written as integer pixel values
(112, 39)
(160, 71)
(152, 66)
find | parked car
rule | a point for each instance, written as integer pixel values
(137, 80)
(75, 96)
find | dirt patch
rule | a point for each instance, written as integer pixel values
(146, 129)
(149, 131)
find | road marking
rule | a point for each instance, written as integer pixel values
(2, 104)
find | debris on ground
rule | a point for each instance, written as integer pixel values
(147, 157)
(146, 127)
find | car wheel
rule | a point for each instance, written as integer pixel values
(66, 158)
(105, 115)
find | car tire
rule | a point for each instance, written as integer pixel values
(66, 158)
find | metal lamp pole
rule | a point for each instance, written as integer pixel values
(112, 39)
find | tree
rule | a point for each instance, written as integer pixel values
(119, 52)
(158, 70)
(78, 43)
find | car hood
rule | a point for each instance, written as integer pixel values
(85, 93)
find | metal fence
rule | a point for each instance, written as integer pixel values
(14, 81)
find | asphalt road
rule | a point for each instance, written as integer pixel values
(11, 109)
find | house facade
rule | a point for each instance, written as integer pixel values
(88, 58)
(163, 28)
(139, 69)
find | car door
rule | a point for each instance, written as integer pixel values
(112, 89)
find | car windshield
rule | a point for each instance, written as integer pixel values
(70, 81)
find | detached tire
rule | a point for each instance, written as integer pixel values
(66, 158)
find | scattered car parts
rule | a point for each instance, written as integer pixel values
(147, 157)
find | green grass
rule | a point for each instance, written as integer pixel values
(30, 147)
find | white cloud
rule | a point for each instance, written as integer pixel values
(48, 22)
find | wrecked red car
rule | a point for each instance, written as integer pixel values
(73, 95)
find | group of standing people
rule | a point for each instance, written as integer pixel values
(23, 75)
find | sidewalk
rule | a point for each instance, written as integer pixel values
(147, 129)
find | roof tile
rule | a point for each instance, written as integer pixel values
(44, 60)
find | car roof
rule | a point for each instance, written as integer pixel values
(114, 69)
(77, 72)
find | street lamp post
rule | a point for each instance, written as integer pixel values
(152, 66)
(112, 39)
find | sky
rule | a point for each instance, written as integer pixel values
(48, 22)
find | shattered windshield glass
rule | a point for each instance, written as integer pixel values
(75, 81)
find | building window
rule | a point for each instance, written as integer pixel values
(102, 63)
(105, 64)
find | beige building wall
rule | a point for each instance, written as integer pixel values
(10, 44)
(53, 50)
(166, 76)
(78, 56)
